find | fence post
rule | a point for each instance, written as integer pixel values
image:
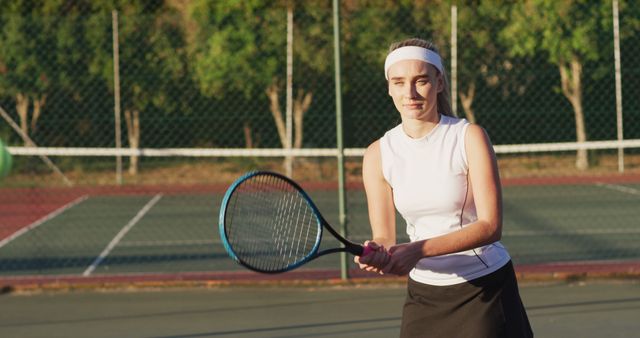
(344, 263)
(616, 53)
(116, 94)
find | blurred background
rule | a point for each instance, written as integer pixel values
(127, 120)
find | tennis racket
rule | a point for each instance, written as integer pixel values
(270, 225)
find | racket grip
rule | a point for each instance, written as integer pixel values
(367, 250)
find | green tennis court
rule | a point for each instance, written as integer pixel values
(127, 120)
(586, 310)
(100, 234)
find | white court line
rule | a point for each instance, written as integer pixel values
(43, 220)
(620, 188)
(121, 234)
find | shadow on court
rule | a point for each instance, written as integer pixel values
(589, 309)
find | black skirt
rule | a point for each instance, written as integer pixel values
(486, 307)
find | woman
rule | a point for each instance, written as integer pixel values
(440, 173)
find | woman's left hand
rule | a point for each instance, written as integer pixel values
(403, 258)
(375, 260)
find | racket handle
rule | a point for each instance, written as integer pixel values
(367, 250)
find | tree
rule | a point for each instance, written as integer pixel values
(482, 58)
(29, 47)
(240, 47)
(152, 59)
(567, 32)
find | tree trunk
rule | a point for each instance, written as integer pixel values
(38, 104)
(272, 92)
(22, 106)
(467, 100)
(300, 107)
(248, 139)
(571, 77)
(132, 118)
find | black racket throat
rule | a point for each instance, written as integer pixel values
(349, 246)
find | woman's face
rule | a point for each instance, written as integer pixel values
(414, 86)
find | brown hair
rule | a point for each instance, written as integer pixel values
(444, 97)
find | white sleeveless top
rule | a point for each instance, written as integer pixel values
(429, 181)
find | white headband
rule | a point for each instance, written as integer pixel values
(412, 53)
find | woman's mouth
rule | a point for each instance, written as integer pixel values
(413, 105)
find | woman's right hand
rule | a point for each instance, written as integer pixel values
(376, 259)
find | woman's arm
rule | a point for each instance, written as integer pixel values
(485, 183)
(381, 210)
(379, 198)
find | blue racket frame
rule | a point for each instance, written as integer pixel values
(353, 248)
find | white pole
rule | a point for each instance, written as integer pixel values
(289, 108)
(454, 59)
(616, 53)
(116, 93)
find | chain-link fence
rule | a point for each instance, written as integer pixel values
(196, 86)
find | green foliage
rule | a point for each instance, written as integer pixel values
(191, 67)
(481, 55)
(562, 29)
(237, 45)
(241, 45)
(152, 54)
(368, 29)
(24, 30)
(313, 40)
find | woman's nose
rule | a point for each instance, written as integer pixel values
(411, 91)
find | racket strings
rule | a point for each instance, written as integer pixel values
(270, 224)
(293, 212)
(253, 245)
